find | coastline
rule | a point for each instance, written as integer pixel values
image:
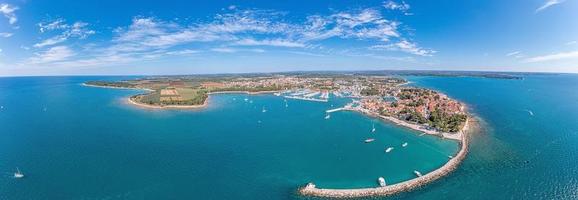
(453, 136)
(112, 87)
(311, 190)
(149, 106)
(143, 105)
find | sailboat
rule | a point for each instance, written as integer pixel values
(373, 128)
(263, 109)
(327, 116)
(286, 105)
(18, 174)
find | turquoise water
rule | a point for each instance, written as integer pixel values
(89, 145)
(76, 142)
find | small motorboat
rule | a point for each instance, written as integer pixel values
(417, 173)
(381, 182)
(327, 116)
(404, 145)
(369, 140)
(388, 149)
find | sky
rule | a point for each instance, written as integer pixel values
(108, 37)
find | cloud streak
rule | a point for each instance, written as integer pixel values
(553, 57)
(548, 4)
(75, 30)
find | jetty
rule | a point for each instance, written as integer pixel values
(306, 98)
(311, 189)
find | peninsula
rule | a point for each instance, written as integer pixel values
(388, 98)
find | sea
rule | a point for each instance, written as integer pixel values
(77, 142)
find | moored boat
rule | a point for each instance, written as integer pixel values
(381, 182)
(388, 149)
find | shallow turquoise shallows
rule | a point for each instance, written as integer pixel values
(75, 142)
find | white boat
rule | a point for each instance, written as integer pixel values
(381, 182)
(404, 145)
(286, 105)
(327, 116)
(417, 173)
(18, 174)
(373, 128)
(263, 109)
(277, 94)
(246, 99)
(388, 149)
(369, 140)
(450, 157)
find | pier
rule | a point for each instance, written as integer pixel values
(334, 110)
(306, 98)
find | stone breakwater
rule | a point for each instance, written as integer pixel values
(311, 190)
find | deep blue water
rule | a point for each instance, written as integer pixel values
(76, 142)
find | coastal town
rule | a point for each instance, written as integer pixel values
(388, 97)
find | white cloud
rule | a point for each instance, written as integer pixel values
(513, 53)
(405, 46)
(233, 50)
(75, 30)
(555, 56)
(364, 24)
(8, 11)
(224, 50)
(54, 54)
(183, 52)
(571, 43)
(6, 35)
(150, 38)
(547, 4)
(268, 42)
(392, 5)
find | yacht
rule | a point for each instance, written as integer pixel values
(404, 145)
(381, 181)
(327, 116)
(263, 109)
(369, 140)
(18, 174)
(373, 128)
(388, 149)
(417, 173)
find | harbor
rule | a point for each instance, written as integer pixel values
(311, 189)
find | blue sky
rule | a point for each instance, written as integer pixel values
(184, 37)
